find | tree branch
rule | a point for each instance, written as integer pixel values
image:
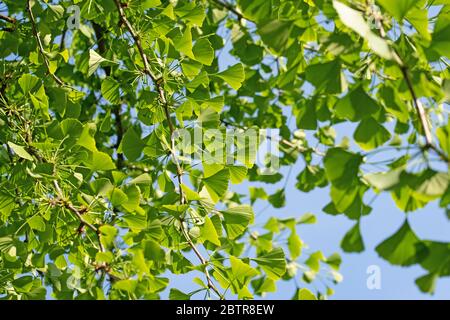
(203, 261)
(230, 8)
(40, 46)
(159, 84)
(8, 19)
(77, 213)
(421, 114)
(101, 43)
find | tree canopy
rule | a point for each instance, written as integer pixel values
(97, 201)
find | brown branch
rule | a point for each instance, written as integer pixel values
(230, 8)
(102, 48)
(68, 205)
(159, 84)
(40, 46)
(421, 113)
(8, 19)
(203, 261)
(418, 106)
(8, 29)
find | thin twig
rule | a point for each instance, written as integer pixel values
(159, 84)
(8, 19)
(203, 261)
(418, 106)
(421, 113)
(77, 213)
(101, 44)
(230, 8)
(40, 46)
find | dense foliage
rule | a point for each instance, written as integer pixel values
(96, 201)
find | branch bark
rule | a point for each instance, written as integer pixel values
(101, 43)
(68, 205)
(159, 85)
(8, 19)
(40, 46)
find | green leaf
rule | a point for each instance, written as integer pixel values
(237, 173)
(20, 151)
(208, 232)
(153, 251)
(237, 219)
(132, 145)
(117, 197)
(242, 271)
(106, 257)
(355, 21)
(94, 61)
(125, 285)
(398, 8)
(441, 34)
(427, 283)
(176, 294)
(304, 294)
(209, 118)
(402, 248)
(370, 134)
(341, 167)
(384, 180)
(183, 43)
(133, 199)
(356, 105)
(278, 199)
(107, 234)
(101, 162)
(28, 82)
(275, 34)
(234, 75)
(203, 51)
(217, 184)
(326, 77)
(273, 263)
(37, 223)
(352, 241)
(110, 90)
(306, 117)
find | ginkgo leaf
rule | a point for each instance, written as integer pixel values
(234, 75)
(94, 61)
(101, 161)
(237, 173)
(183, 43)
(203, 51)
(208, 232)
(27, 82)
(355, 21)
(217, 184)
(20, 151)
(397, 8)
(352, 241)
(110, 90)
(236, 220)
(273, 263)
(403, 248)
(370, 134)
(132, 145)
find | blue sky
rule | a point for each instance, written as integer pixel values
(429, 223)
